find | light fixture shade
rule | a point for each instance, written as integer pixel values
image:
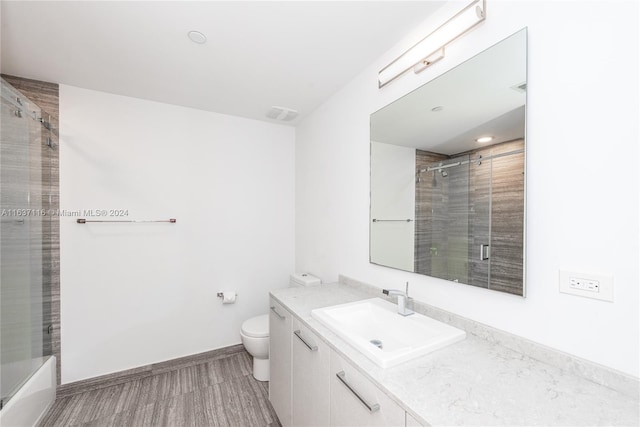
(431, 48)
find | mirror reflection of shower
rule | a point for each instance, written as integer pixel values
(468, 217)
(455, 215)
(442, 169)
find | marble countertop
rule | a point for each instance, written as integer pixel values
(473, 382)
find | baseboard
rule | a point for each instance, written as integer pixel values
(141, 372)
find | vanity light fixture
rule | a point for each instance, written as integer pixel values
(484, 139)
(430, 49)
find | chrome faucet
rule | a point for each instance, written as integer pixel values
(405, 302)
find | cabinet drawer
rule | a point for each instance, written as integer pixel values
(280, 361)
(311, 363)
(356, 401)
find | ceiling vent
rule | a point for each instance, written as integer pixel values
(282, 113)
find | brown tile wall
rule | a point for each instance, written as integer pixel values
(507, 220)
(427, 255)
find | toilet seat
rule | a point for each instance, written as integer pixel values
(256, 327)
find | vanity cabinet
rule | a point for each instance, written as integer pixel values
(311, 385)
(411, 422)
(310, 377)
(280, 323)
(356, 401)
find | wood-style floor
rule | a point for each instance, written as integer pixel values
(219, 392)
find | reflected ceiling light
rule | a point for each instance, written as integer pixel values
(197, 37)
(431, 48)
(484, 139)
(282, 113)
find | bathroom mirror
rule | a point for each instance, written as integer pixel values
(445, 202)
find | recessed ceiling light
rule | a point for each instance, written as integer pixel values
(197, 37)
(438, 108)
(484, 139)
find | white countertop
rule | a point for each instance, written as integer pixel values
(473, 382)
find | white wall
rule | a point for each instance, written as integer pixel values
(582, 177)
(134, 294)
(393, 176)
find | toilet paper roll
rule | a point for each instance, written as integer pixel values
(228, 297)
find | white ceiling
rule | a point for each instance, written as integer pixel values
(477, 99)
(291, 53)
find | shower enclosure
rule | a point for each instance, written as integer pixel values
(470, 216)
(25, 247)
(442, 216)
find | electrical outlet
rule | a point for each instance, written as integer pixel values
(587, 285)
(584, 284)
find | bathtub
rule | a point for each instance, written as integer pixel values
(35, 397)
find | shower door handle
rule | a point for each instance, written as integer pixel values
(484, 252)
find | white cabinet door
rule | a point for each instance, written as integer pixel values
(311, 363)
(356, 401)
(280, 361)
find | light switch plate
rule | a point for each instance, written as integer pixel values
(587, 285)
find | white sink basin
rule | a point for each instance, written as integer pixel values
(374, 327)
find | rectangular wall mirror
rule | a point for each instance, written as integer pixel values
(445, 202)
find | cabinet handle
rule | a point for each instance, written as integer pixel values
(273, 308)
(372, 408)
(299, 335)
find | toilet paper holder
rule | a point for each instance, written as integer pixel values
(221, 295)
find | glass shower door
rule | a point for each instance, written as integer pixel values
(22, 334)
(496, 201)
(449, 236)
(480, 219)
(470, 217)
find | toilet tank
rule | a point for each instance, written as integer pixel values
(303, 279)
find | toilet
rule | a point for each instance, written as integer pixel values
(254, 332)
(255, 338)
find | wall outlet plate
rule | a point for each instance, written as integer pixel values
(587, 285)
